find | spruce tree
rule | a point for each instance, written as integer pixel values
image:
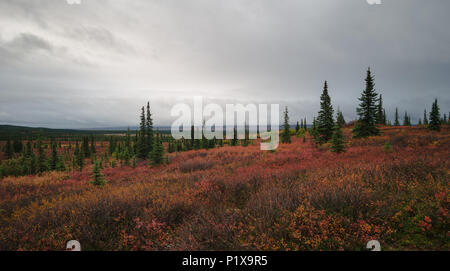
(380, 116)
(234, 141)
(125, 156)
(246, 136)
(340, 118)
(396, 122)
(60, 166)
(28, 149)
(325, 121)
(85, 147)
(93, 150)
(406, 120)
(286, 136)
(149, 129)
(337, 140)
(54, 160)
(9, 151)
(111, 146)
(367, 110)
(33, 163)
(297, 127)
(435, 118)
(313, 131)
(41, 159)
(128, 140)
(170, 147)
(158, 151)
(425, 117)
(79, 157)
(97, 177)
(205, 143)
(142, 150)
(17, 145)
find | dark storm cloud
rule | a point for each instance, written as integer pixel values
(94, 64)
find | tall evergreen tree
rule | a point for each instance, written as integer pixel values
(149, 129)
(142, 150)
(297, 127)
(286, 136)
(435, 118)
(367, 110)
(325, 122)
(396, 122)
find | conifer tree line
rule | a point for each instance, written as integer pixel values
(371, 114)
(31, 154)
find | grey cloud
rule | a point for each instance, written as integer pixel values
(27, 42)
(111, 56)
(101, 37)
(23, 45)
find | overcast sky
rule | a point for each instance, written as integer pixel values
(95, 64)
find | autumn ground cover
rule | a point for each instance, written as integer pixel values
(300, 197)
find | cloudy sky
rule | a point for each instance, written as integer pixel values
(95, 64)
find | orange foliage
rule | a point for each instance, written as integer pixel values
(296, 198)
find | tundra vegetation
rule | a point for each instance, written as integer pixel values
(331, 185)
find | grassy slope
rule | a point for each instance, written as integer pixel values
(297, 198)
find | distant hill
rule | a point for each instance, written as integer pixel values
(9, 131)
